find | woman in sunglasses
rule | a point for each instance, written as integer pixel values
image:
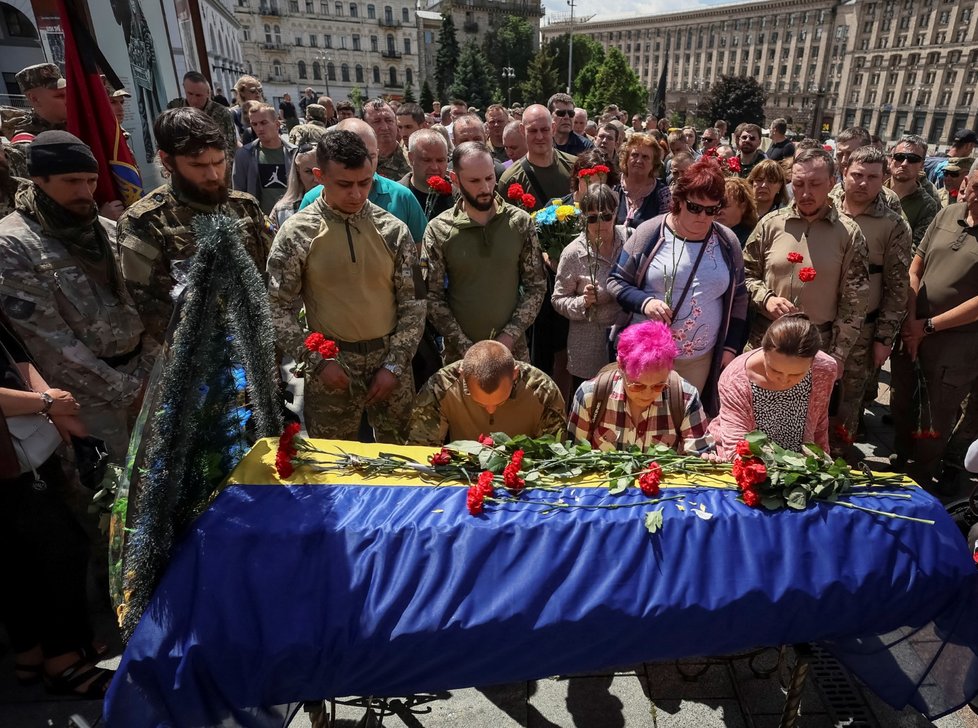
(782, 389)
(580, 290)
(301, 180)
(687, 271)
(641, 400)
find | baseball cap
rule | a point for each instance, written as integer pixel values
(965, 136)
(43, 74)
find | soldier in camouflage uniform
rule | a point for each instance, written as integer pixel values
(312, 129)
(155, 237)
(63, 291)
(888, 240)
(353, 266)
(44, 88)
(485, 269)
(832, 244)
(392, 162)
(8, 183)
(487, 391)
(197, 93)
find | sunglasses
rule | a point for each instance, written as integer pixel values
(711, 210)
(640, 387)
(603, 216)
(905, 157)
(564, 112)
(948, 173)
(709, 139)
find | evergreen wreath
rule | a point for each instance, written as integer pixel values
(198, 423)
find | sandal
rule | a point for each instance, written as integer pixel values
(83, 672)
(28, 675)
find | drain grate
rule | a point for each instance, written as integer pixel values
(840, 695)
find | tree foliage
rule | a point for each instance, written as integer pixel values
(616, 83)
(427, 98)
(510, 44)
(408, 96)
(587, 53)
(474, 81)
(736, 99)
(447, 58)
(541, 78)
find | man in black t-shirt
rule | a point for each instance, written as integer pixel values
(287, 112)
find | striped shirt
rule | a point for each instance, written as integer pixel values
(617, 430)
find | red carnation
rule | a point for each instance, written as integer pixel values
(601, 169)
(953, 194)
(806, 275)
(733, 164)
(475, 500)
(443, 457)
(485, 481)
(314, 341)
(756, 472)
(796, 258)
(751, 497)
(511, 473)
(439, 185)
(515, 192)
(743, 449)
(486, 441)
(650, 479)
(528, 200)
(843, 434)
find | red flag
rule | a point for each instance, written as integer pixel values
(91, 119)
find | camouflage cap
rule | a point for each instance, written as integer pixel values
(120, 92)
(957, 164)
(43, 74)
(315, 111)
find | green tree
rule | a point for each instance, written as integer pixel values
(473, 79)
(408, 96)
(541, 78)
(510, 44)
(427, 98)
(616, 83)
(447, 57)
(587, 52)
(356, 97)
(736, 99)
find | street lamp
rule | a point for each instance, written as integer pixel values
(509, 73)
(570, 46)
(324, 57)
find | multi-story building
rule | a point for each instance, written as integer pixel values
(890, 65)
(222, 39)
(332, 46)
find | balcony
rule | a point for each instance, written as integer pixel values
(269, 10)
(273, 46)
(388, 23)
(470, 26)
(391, 54)
(272, 78)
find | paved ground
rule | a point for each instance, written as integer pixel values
(719, 693)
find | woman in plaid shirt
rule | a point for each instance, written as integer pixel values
(641, 401)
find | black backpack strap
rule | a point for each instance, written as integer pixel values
(531, 177)
(603, 384)
(677, 407)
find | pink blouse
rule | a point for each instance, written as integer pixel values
(736, 416)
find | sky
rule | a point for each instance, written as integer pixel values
(608, 9)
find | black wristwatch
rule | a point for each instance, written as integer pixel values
(48, 401)
(929, 326)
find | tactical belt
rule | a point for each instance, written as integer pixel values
(871, 317)
(875, 268)
(123, 359)
(362, 347)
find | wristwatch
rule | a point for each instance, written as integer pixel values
(929, 326)
(48, 400)
(394, 369)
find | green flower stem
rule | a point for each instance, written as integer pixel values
(585, 506)
(878, 513)
(904, 496)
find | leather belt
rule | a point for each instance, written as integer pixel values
(362, 347)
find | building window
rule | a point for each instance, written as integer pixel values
(312, 40)
(324, 8)
(388, 15)
(409, 76)
(301, 69)
(353, 10)
(294, 6)
(390, 44)
(268, 33)
(376, 75)
(345, 73)
(371, 12)
(331, 71)
(245, 34)
(393, 76)
(317, 73)
(339, 10)
(298, 40)
(358, 73)
(405, 15)
(278, 34)
(407, 45)
(277, 69)
(311, 6)
(356, 42)
(374, 48)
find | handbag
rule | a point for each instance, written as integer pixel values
(35, 438)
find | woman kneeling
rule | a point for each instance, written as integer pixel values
(641, 400)
(782, 389)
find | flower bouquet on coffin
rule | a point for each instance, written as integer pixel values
(770, 477)
(557, 224)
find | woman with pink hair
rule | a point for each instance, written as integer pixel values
(641, 400)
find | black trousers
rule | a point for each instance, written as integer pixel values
(43, 557)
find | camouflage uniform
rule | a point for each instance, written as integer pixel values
(155, 245)
(920, 210)
(889, 198)
(454, 228)
(395, 166)
(330, 413)
(20, 126)
(444, 411)
(83, 336)
(309, 133)
(888, 240)
(7, 195)
(836, 304)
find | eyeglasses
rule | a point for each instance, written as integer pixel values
(906, 157)
(708, 139)
(949, 173)
(639, 386)
(603, 216)
(711, 210)
(564, 112)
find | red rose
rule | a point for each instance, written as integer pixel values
(649, 481)
(528, 200)
(486, 440)
(743, 449)
(751, 497)
(796, 258)
(314, 341)
(475, 500)
(806, 275)
(443, 457)
(515, 191)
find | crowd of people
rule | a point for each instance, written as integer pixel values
(720, 281)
